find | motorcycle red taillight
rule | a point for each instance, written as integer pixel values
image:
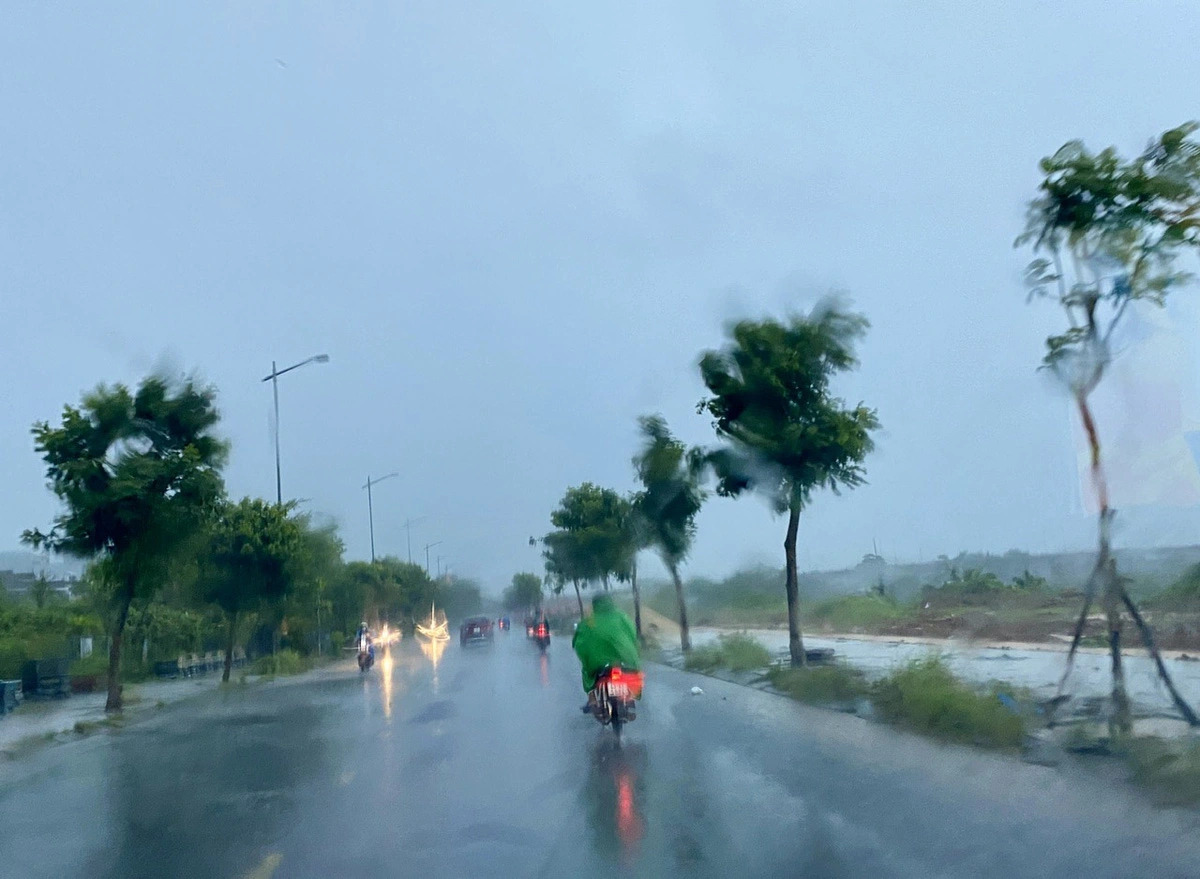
(634, 680)
(541, 631)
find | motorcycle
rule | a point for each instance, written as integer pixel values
(542, 636)
(616, 693)
(366, 654)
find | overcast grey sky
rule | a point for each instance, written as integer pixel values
(514, 227)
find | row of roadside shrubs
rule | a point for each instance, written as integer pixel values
(923, 695)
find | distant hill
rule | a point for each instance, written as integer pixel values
(1149, 569)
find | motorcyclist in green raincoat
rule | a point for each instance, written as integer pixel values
(605, 637)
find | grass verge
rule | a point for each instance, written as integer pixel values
(926, 697)
(820, 684)
(849, 613)
(737, 652)
(285, 662)
(1169, 770)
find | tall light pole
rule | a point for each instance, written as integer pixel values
(371, 507)
(428, 547)
(273, 378)
(439, 563)
(408, 523)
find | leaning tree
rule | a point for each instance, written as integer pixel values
(1107, 233)
(786, 432)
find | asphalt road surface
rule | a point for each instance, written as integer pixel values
(482, 765)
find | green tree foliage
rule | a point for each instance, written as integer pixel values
(635, 537)
(671, 497)
(308, 607)
(459, 597)
(137, 472)
(1029, 582)
(40, 591)
(403, 590)
(590, 541)
(524, 592)
(386, 590)
(251, 559)
(1107, 233)
(786, 433)
(566, 562)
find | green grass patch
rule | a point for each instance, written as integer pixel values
(285, 662)
(743, 653)
(705, 658)
(736, 652)
(820, 684)
(1169, 770)
(925, 697)
(850, 612)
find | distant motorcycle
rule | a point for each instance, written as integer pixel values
(542, 635)
(616, 693)
(366, 654)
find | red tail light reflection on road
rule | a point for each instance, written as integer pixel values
(629, 822)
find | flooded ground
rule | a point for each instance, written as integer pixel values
(1037, 670)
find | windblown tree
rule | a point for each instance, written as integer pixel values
(566, 562)
(524, 592)
(635, 538)
(671, 497)
(1107, 234)
(137, 474)
(400, 591)
(786, 433)
(308, 606)
(589, 543)
(458, 597)
(251, 561)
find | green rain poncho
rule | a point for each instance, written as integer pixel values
(606, 637)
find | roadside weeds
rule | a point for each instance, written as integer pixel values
(925, 697)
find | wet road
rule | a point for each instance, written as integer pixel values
(483, 766)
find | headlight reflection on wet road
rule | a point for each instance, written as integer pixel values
(385, 670)
(433, 650)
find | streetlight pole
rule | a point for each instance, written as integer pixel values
(429, 546)
(273, 378)
(371, 507)
(408, 523)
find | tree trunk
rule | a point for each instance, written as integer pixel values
(685, 635)
(113, 702)
(1121, 722)
(579, 598)
(229, 648)
(1148, 637)
(1106, 568)
(637, 601)
(791, 585)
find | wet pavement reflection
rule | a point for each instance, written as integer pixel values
(616, 795)
(451, 762)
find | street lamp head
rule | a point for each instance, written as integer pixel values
(375, 481)
(321, 358)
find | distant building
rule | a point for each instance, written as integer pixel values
(18, 584)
